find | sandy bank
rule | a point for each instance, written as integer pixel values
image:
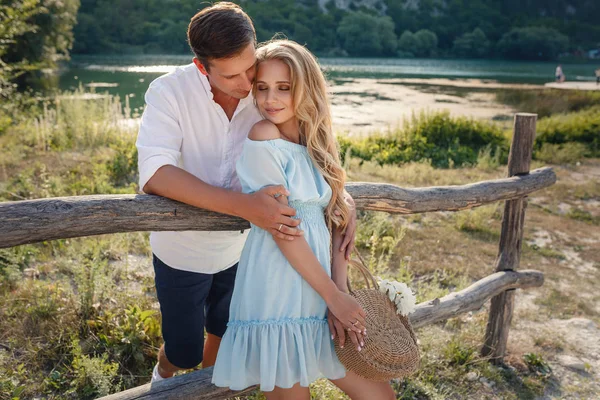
(364, 105)
(573, 85)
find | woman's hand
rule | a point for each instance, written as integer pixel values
(337, 329)
(348, 311)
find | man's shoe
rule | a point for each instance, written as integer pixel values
(155, 375)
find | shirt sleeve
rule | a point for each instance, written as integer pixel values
(261, 164)
(160, 136)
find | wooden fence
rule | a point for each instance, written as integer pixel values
(58, 218)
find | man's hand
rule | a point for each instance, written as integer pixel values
(266, 212)
(350, 234)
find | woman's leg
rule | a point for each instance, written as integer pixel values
(296, 392)
(359, 388)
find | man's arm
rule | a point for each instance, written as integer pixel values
(347, 243)
(339, 264)
(260, 208)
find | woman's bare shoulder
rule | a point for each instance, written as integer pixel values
(264, 130)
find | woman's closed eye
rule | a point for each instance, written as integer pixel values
(281, 88)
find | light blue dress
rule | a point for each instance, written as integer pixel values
(277, 333)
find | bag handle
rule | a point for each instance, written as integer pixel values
(360, 265)
(357, 264)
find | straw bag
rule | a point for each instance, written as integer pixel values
(390, 349)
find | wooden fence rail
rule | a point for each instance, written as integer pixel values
(33, 221)
(47, 219)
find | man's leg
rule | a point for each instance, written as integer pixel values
(211, 348)
(165, 368)
(217, 312)
(182, 296)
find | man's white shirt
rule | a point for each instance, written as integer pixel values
(184, 127)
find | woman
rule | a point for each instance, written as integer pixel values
(278, 333)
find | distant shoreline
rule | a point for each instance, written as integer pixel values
(573, 85)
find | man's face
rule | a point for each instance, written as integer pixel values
(232, 76)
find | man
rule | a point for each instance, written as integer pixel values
(559, 74)
(191, 135)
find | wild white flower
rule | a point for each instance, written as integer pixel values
(400, 294)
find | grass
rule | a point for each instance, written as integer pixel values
(80, 317)
(481, 222)
(560, 304)
(547, 102)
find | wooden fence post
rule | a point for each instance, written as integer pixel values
(511, 236)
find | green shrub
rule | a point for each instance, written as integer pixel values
(488, 158)
(123, 166)
(444, 140)
(458, 354)
(566, 153)
(579, 127)
(536, 364)
(91, 376)
(380, 234)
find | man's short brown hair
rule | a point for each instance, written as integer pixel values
(222, 30)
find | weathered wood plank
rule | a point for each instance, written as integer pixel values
(31, 221)
(196, 385)
(511, 236)
(473, 297)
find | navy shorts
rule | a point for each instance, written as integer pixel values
(189, 301)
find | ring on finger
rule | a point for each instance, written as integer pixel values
(354, 323)
(279, 229)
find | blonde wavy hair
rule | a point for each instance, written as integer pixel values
(311, 107)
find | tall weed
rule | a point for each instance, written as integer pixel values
(78, 120)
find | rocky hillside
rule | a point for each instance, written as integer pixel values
(378, 5)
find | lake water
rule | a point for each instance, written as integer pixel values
(377, 88)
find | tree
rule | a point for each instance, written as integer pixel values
(533, 43)
(407, 44)
(367, 35)
(14, 23)
(387, 36)
(122, 25)
(427, 42)
(471, 44)
(48, 36)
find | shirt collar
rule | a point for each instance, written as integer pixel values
(205, 83)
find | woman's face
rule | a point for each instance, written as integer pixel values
(273, 92)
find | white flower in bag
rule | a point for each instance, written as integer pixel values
(400, 294)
